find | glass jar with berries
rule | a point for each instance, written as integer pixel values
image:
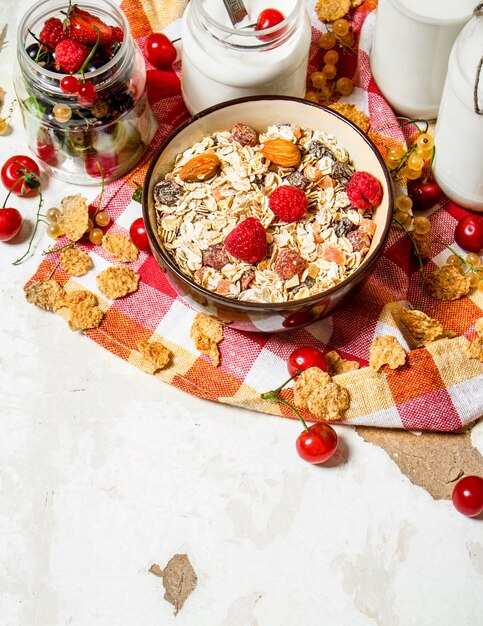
(80, 80)
(258, 50)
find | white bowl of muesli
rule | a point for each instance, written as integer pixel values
(266, 212)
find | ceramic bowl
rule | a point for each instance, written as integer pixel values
(259, 113)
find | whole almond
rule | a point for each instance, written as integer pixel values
(281, 152)
(200, 168)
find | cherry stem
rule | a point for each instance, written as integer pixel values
(411, 121)
(271, 396)
(426, 178)
(101, 172)
(37, 222)
(421, 270)
(52, 249)
(91, 53)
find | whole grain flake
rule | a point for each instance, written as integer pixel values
(316, 391)
(75, 261)
(46, 294)
(337, 365)
(206, 333)
(422, 328)
(447, 283)
(330, 10)
(386, 350)
(117, 282)
(120, 247)
(74, 217)
(155, 356)
(85, 313)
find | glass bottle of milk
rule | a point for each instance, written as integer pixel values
(410, 51)
(458, 165)
(221, 62)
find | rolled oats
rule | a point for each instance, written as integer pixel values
(194, 218)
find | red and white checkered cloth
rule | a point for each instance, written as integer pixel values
(439, 388)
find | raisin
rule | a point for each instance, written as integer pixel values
(342, 172)
(215, 257)
(259, 180)
(246, 279)
(343, 226)
(297, 179)
(318, 150)
(360, 240)
(288, 264)
(167, 192)
(245, 135)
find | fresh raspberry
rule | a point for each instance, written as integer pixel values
(52, 33)
(364, 190)
(69, 56)
(288, 203)
(247, 241)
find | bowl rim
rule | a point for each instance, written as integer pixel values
(260, 306)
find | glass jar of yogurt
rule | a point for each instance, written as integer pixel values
(108, 134)
(221, 62)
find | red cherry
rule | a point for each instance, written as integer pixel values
(45, 152)
(469, 233)
(267, 19)
(468, 496)
(69, 84)
(423, 195)
(10, 224)
(317, 444)
(87, 93)
(304, 357)
(139, 236)
(107, 162)
(159, 51)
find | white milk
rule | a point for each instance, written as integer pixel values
(220, 63)
(458, 165)
(410, 52)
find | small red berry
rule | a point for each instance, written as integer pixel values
(159, 51)
(69, 84)
(468, 496)
(139, 235)
(10, 223)
(267, 19)
(84, 26)
(364, 191)
(87, 93)
(288, 203)
(52, 32)
(424, 195)
(247, 241)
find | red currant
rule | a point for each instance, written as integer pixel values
(69, 84)
(159, 51)
(317, 444)
(305, 357)
(468, 496)
(87, 93)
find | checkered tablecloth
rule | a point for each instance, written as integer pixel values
(439, 388)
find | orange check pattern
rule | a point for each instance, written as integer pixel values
(438, 389)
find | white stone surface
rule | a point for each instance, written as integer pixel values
(104, 471)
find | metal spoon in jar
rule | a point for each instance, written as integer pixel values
(236, 10)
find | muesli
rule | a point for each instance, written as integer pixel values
(266, 217)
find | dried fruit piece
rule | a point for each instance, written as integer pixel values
(245, 135)
(281, 152)
(247, 241)
(75, 261)
(338, 365)
(215, 256)
(422, 328)
(386, 351)
(206, 333)
(289, 263)
(297, 179)
(359, 240)
(343, 226)
(200, 168)
(117, 282)
(155, 355)
(447, 283)
(73, 220)
(167, 192)
(364, 191)
(288, 203)
(352, 113)
(120, 247)
(331, 253)
(46, 294)
(330, 10)
(318, 150)
(315, 390)
(246, 278)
